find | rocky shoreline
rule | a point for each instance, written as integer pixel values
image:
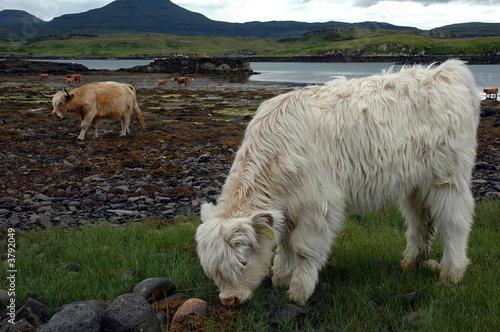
(49, 178)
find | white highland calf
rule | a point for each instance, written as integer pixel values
(312, 155)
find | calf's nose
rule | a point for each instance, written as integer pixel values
(231, 301)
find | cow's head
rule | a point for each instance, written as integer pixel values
(236, 252)
(59, 103)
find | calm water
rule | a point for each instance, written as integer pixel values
(318, 73)
(300, 73)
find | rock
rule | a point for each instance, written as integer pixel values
(38, 308)
(154, 289)
(20, 326)
(191, 307)
(190, 315)
(27, 314)
(73, 317)
(129, 312)
(97, 306)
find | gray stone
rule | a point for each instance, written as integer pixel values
(129, 312)
(73, 317)
(154, 289)
(20, 325)
(38, 308)
(27, 314)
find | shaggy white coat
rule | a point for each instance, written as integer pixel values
(312, 155)
(95, 102)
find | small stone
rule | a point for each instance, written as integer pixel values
(154, 289)
(129, 312)
(74, 317)
(191, 307)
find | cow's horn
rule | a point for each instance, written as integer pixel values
(48, 96)
(67, 93)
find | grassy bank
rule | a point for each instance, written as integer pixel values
(358, 41)
(362, 288)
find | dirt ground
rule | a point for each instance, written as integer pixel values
(208, 116)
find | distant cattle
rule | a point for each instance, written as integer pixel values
(43, 76)
(161, 82)
(76, 77)
(491, 93)
(181, 80)
(313, 155)
(94, 102)
(70, 80)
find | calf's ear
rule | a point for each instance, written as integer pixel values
(206, 211)
(267, 223)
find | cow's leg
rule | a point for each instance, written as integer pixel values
(420, 231)
(86, 122)
(453, 210)
(284, 264)
(126, 122)
(311, 241)
(95, 124)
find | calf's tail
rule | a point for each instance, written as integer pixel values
(138, 115)
(137, 110)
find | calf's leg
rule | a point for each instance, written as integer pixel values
(453, 210)
(284, 264)
(311, 241)
(420, 231)
(86, 122)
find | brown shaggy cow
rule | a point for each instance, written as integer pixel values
(94, 102)
(70, 80)
(491, 92)
(43, 76)
(161, 82)
(76, 77)
(181, 80)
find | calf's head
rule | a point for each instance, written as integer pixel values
(60, 102)
(236, 252)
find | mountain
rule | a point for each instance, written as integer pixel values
(165, 17)
(10, 18)
(18, 25)
(473, 29)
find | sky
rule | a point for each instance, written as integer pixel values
(422, 14)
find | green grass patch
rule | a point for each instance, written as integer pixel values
(153, 45)
(362, 288)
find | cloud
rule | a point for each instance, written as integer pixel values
(369, 3)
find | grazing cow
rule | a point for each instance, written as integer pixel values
(491, 92)
(161, 82)
(43, 76)
(76, 77)
(310, 156)
(181, 80)
(70, 80)
(94, 102)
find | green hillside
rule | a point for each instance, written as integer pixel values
(343, 41)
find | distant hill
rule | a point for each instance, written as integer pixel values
(473, 29)
(165, 17)
(19, 25)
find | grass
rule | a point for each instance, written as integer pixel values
(362, 288)
(157, 45)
